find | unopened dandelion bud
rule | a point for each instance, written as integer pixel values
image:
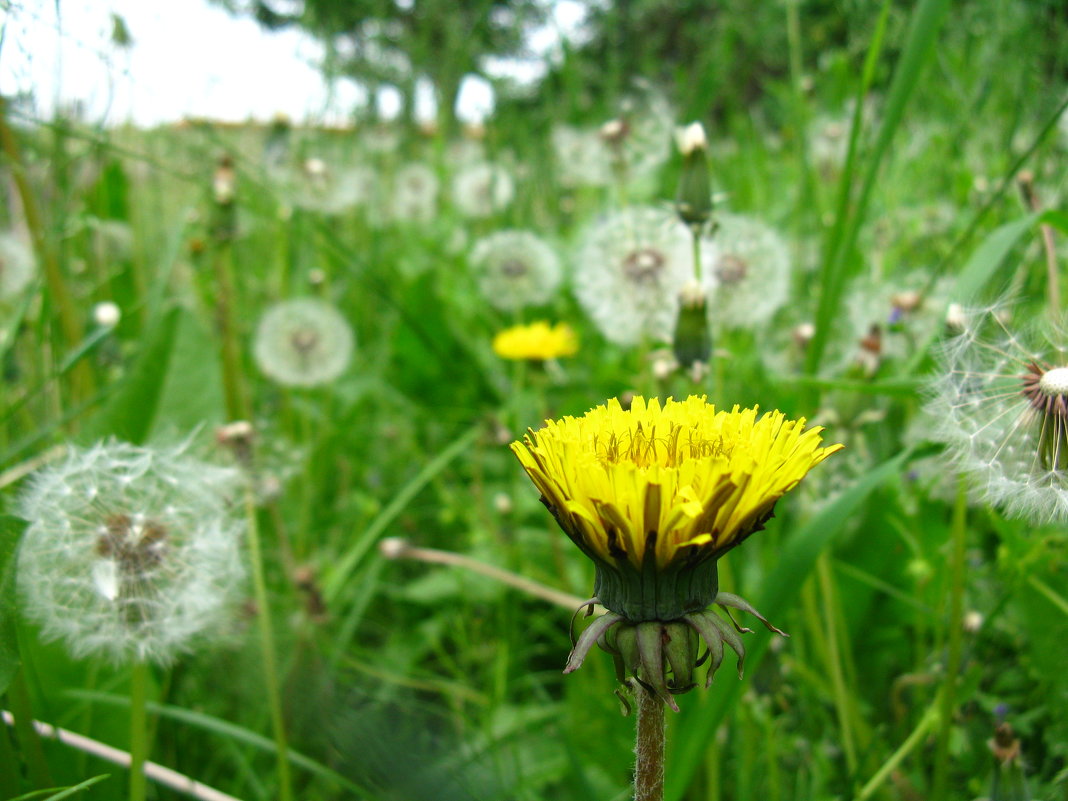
(502, 503)
(692, 343)
(393, 547)
(955, 318)
(1007, 783)
(238, 437)
(107, 314)
(663, 364)
(802, 334)
(693, 201)
(224, 191)
(224, 182)
(614, 131)
(907, 301)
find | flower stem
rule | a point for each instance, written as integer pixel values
(138, 729)
(958, 531)
(18, 696)
(237, 404)
(270, 670)
(649, 748)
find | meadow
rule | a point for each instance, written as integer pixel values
(297, 331)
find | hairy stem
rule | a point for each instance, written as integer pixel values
(649, 748)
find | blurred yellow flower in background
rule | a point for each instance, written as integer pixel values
(538, 341)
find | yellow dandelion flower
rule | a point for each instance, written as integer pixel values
(654, 495)
(537, 341)
(665, 489)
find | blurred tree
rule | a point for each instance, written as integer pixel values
(397, 42)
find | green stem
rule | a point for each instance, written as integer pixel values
(138, 730)
(9, 767)
(237, 406)
(927, 722)
(958, 539)
(1049, 593)
(712, 772)
(834, 663)
(696, 231)
(18, 696)
(270, 670)
(649, 749)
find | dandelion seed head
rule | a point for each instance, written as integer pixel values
(749, 275)
(515, 269)
(131, 552)
(1054, 382)
(629, 271)
(1000, 403)
(415, 193)
(482, 189)
(581, 157)
(303, 342)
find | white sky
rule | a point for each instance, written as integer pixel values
(191, 58)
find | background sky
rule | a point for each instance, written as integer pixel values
(191, 58)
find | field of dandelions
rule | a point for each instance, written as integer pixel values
(259, 384)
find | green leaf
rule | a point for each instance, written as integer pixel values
(989, 255)
(696, 728)
(192, 393)
(926, 22)
(66, 792)
(343, 568)
(224, 728)
(11, 529)
(1057, 218)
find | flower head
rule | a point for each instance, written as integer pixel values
(131, 552)
(1001, 402)
(630, 269)
(483, 189)
(515, 269)
(668, 487)
(415, 193)
(303, 342)
(655, 495)
(581, 157)
(749, 272)
(538, 341)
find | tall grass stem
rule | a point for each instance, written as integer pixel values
(270, 669)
